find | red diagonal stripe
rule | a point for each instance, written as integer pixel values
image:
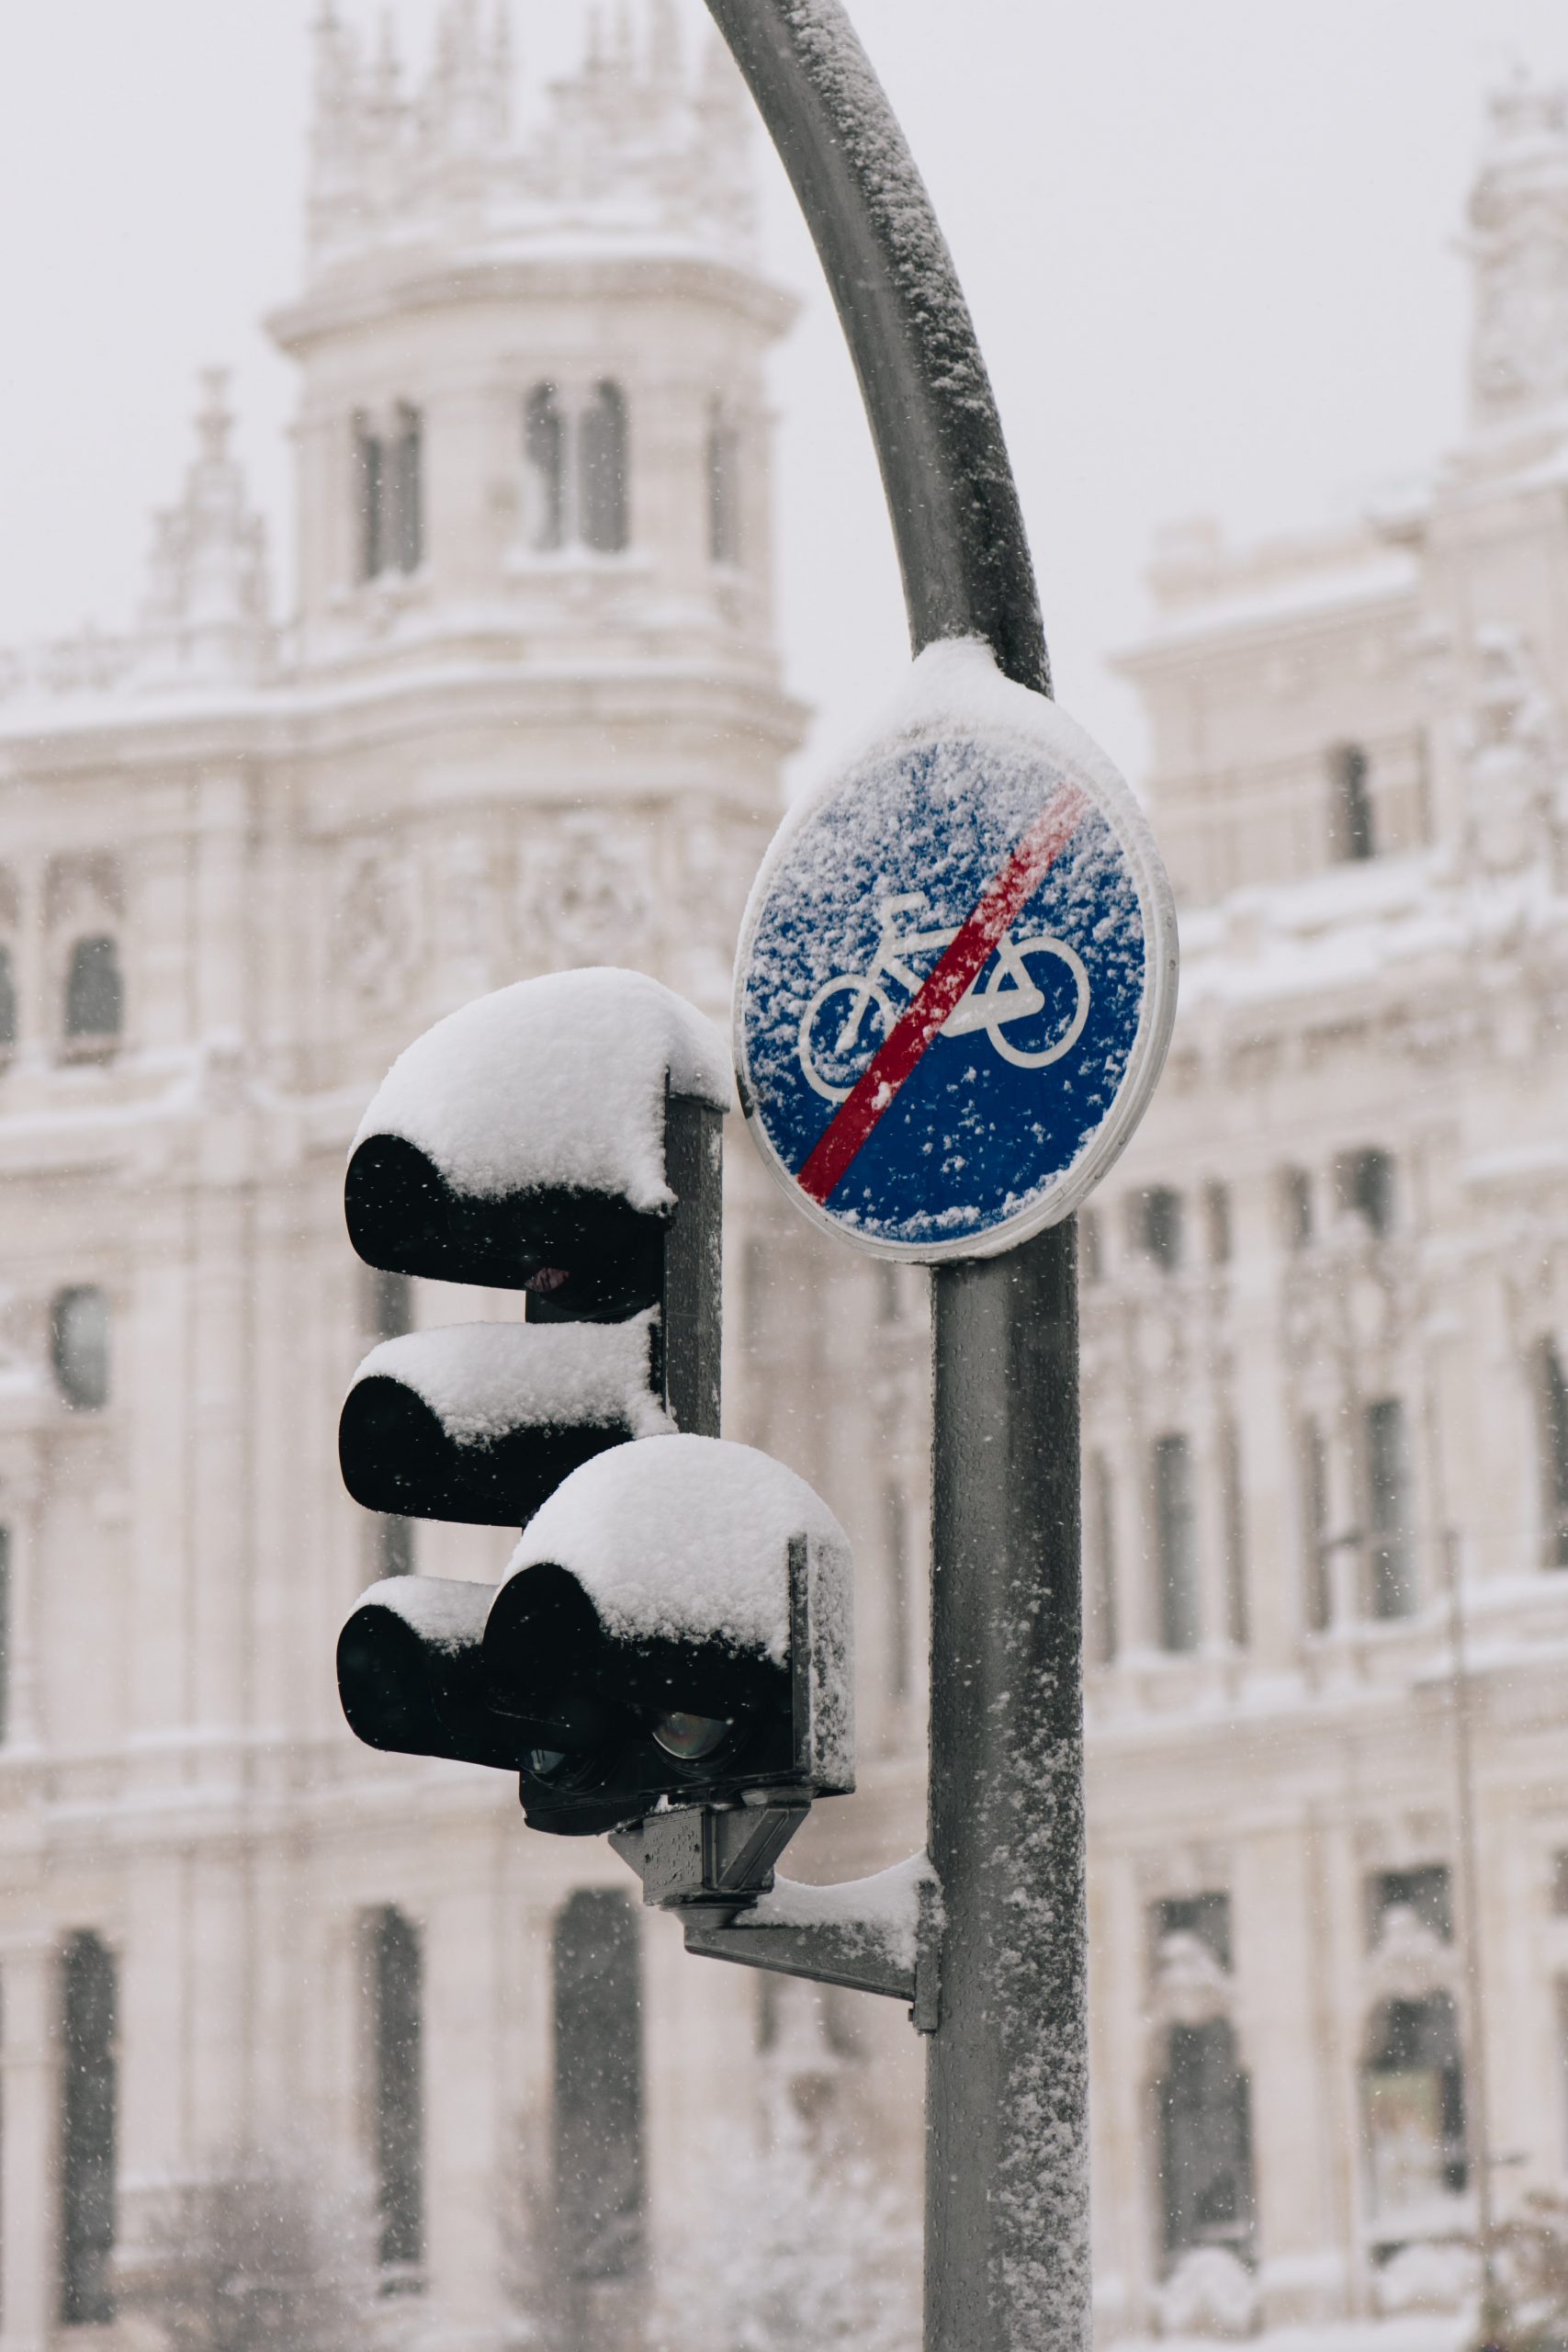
(1005, 898)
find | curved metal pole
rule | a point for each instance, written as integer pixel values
(1007, 2128)
(951, 493)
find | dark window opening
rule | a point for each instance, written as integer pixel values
(388, 494)
(1366, 1187)
(1315, 1528)
(1206, 1916)
(724, 489)
(1425, 1889)
(1551, 1435)
(1239, 1615)
(394, 1545)
(89, 2123)
(79, 1347)
(1412, 2090)
(1162, 1226)
(389, 1302)
(9, 1022)
(1351, 828)
(1390, 1559)
(1206, 2142)
(1295, 1193)
(598, 2158)
(1092, 1247)
(395, 1972)
(95, 997)
(1100, 1548)
(1176, 1543)
(544, 450)
(1217, 1220)
(602, 489)
(1560, 1884)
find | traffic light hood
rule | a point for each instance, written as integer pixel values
(525, 1136)
(678, 1583)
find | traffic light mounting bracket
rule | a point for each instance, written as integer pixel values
(714, 1866)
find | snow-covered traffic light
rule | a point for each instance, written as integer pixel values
(674, 1626)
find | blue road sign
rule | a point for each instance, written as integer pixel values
(956, 983)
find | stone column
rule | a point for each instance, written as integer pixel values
(29, 2222)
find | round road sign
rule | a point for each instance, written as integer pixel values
(957, 974)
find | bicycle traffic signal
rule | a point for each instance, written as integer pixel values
(675, 1624)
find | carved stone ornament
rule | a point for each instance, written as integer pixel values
(1409, 1959)
(378, 924)
(1189, 1987)
(1512, 755)
(586, 894)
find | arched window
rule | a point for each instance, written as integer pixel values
(395, 1990)
(1205, 2153)
(88, 2131)
(8, 1023)
(724, 488)
(388, 492)
(601, 470)
(598, 2161)
(95, 997)
(1352, 834)
(1176, 1543)
(368, 466)
(79, 1346)
(1413, 2091)
(1162, 1226)
(544, 454)
(1551, 1445)
(1391, 1561)
(1366, 1188)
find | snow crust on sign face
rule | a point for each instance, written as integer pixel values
(880, 1914)
(556, 1083)
(448, 1612)
(688, 1540)
(481, 1380)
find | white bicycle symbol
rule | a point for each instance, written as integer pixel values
(1008, 996)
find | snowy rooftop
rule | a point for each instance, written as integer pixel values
(635, 149)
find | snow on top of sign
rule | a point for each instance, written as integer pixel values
(557, 1082)
(482, 1379)
(448, 1612)
(881, 1914)
(688, 1540)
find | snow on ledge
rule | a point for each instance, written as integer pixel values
(880, 1914)
(553, 1084)
(449, 1612)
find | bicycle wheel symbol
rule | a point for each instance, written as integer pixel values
(1000, 992)
(840, 1031)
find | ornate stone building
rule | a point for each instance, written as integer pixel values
(1325, 1319)
(528, 712)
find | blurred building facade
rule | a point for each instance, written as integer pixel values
(527, 713)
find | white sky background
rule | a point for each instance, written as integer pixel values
(1211, 247)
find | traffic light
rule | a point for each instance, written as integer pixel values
(675, 1623)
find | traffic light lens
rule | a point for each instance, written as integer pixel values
(691, 1737)
(545, 1762)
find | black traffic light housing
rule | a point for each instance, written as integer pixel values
(615, 1241)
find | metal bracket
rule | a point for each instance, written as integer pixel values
(715, 1866)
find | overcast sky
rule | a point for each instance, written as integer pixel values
(1213, 248)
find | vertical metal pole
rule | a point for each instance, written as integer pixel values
(1007, 2088)
(1007, 2161)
